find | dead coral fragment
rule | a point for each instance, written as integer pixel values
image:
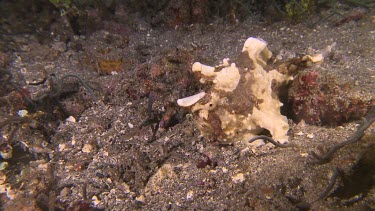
(188, 101)
(240, 101)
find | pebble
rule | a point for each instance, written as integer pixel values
(6, 151)
(87, 148)
(225, 170)
(300, 133)
(304, 154)
(22, 113)
(310, 135)
(3, 177)
(61, 147)
(125, 187)
(65, 192)
(189, 195)
(43, 167)
(3, 165)
(95, 201)
(71, 119)
(130, 125)
(140, 198)
(238, 178)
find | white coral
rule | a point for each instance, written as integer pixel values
(191, 100)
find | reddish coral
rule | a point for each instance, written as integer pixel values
(318, 99)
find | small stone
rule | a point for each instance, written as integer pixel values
(4, 188)
(43, 167)
(6, 151)
(130, 125)
(38, 149)
(213, 171)
(189, 195)
(71, 119)
(22, 113)
(3, 177)
(87, 148)
(244, 151)
(225, 170)
(238, 178)
(109, 180)
(140, 198)
(61, 147)
(65, 192)
(300, 133)
(310, 135)
(125, 187)
(95, 201)
(304, 154)
(3, 165)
